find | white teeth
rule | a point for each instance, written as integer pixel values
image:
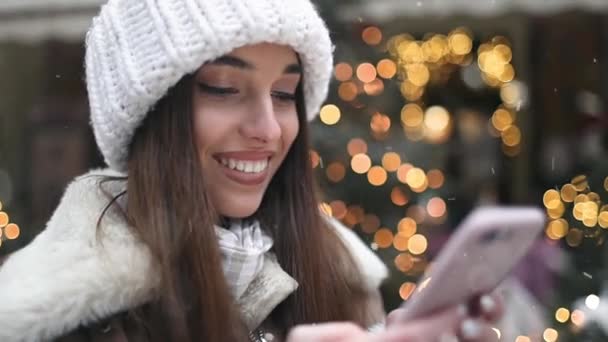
(245, 165)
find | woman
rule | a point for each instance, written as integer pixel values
(205, 227)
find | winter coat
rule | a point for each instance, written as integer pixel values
(74, 282)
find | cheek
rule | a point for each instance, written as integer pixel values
(290, 128)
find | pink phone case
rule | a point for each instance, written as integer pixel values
(480, 254)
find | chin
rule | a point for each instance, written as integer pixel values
(239, 212)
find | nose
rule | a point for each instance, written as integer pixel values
(262, 123)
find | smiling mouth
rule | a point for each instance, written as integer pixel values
(245, 166)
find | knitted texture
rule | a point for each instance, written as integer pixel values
(137, 49)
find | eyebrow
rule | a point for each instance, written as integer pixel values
(239, 63)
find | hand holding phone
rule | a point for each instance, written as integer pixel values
(480, 254)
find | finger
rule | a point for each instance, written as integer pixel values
(477, 330)
(491, 307)
(429, 328)
(327, 332)
(393, 316)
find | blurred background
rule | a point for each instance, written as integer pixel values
(436, 106)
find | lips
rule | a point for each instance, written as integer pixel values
(245, 167)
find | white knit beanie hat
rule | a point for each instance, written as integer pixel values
(137, 49)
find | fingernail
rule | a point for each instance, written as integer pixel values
(447, 337)
(487, 303)
(470, 329)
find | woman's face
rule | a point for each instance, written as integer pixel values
(245, 121)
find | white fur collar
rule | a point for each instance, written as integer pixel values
(71, 274)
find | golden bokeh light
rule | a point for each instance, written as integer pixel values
(374, 88)
(578, 318)
(404, 262)
(372, 35)
(412, 115)
(415, 178)
(417, 244)
(402, 172)
(605, 186)
(330, 114)
(4, 219)
(407, 227)
(511, 94)
(411, 52)
(435, 48)
(338, 209)
(557, 229)
(522, 338)
(343, 72)
(391, 161)
(336, 172)
(550, 335)
(366, 72)
(356, 146)
(502, 119)
(580, 183)
(504, 52)
(436, 207)
(0, 205)
(562, 315)
(568, 193)
(435, 178)
(460, 43)
(418, 74)
(315, 159)
(511, 136)
(436, 119)
(380, 123)
(387, 69)
(383, 238)
(348, 91)
(399, 198)
(602, 219)
(400, 242)
(361, 163)
(370, 223)
(411, 91)
(558, 212)
(551, 199)
(581, 198)
(377, 176)
(406, 290)
(574, 237)
(508, 74)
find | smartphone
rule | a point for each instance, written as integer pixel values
(481, 253)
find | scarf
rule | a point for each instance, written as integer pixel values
(242, 246)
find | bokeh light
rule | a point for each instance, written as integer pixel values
(387, 69)
(417, 244)
(343, 72)
(366, 72)
(336, 172)
(361, 163)
(406, 290)
(348, 91)
(330, 114)
(550, 335)
(407, 226)
(562, 315)
(384, 238)
(377, 176)
(391, 161)
(370, 223)
(436, 207)
(398, 197)
(356, 146)
(372, 35)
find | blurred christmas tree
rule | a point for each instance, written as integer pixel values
(420, 128)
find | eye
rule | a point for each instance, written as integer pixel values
(217, 90)
(284, 96)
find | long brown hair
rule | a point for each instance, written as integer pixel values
(169, 211)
